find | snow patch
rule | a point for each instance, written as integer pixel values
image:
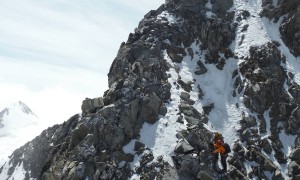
(209, 14)
(208, 5)
(217, 86)
(18, 173)
(255, 29)
(160, 137)
(168, 17)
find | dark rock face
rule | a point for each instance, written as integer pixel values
(264, 93)
(290, 26)
(266, 78)
(290, 30)
(2, 113)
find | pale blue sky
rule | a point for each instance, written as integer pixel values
(59, 51)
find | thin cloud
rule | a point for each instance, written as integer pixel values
(54, 53)
(53, 36)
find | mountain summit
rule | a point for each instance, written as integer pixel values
(17, 122)
(191, 68)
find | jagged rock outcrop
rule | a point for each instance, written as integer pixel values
(264, 92)
(290, 31)
(266, 78)
(91, 105)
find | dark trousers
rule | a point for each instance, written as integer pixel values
(223, 160)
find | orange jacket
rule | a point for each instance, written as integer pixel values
(219, 149)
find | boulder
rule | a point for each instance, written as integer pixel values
(190, 52)
(278, 175)
(245, 135)
(262, 124)
(149, 108)
(163, 110)
(295, 155)
(201, 69)
(204, 176)
(186, 97)
(245, 27)
(138, 145)
(79, 134)
(265, 163)
(189, 165)
(268, 165)
(184, 106)
(187, 86)
(128, 118)
(175, 58)
(180, 119)
(292, 126)
(266, 146)
(244, 14)
(183, 147)
(208, 108)
(191, 120)
(175, 53)
(293, 169)
(91, 105)
(250, 121)
(236, 162)
(297, 142)
(237, 174)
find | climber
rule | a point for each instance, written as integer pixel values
(220, 149)
(217, 136)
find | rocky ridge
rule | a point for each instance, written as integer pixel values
(91, 146)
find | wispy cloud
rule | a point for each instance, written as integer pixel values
(61, 50)
(83, 33)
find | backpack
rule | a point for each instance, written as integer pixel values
(227, 148)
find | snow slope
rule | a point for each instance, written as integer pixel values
(18, 173)
(18, 124)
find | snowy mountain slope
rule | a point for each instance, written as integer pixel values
(191, 68)
(217, 85)
(18, 125)
(259, 32)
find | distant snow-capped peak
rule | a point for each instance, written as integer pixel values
(24, 108)
(16, 115)
(18, 125)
